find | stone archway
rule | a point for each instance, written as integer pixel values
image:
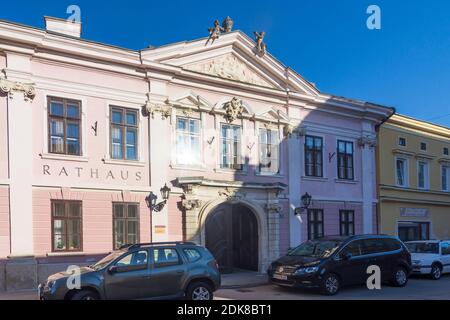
(232, 236)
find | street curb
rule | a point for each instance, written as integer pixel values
(245, 286)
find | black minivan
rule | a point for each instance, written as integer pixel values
(332, 262)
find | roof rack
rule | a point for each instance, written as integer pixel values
(139, 245)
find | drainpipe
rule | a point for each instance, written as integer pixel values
(377, 127)
(149, 147)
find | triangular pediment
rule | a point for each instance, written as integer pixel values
(232, 57)
(229, 66)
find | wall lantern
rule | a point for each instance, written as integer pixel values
(306, 202)
(151, 199)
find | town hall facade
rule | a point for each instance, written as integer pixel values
(212, 140)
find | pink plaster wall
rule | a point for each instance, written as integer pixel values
(175, 216)
(3, 130)
(97, 218)
(4, 222)
(331, 218)
(284, 228)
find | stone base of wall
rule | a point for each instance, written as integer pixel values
(27, 274)
(21, 274)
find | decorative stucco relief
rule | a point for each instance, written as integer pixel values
(233, 109)
(151, 108)
(370, 141)
(9, 87)
(229, 67)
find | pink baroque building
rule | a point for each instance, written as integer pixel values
(90, 133)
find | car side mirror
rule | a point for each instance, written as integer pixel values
(112, 269)
(347, 256)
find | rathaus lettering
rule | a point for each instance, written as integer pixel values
(91, 173)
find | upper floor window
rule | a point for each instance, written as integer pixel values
(422, 174)
(445, 178)
(230, 139)
(64, 125)
(66, 226)
(269, 151)
(345, 160)
(423, 146)
(445, 152)
(188, 141)
(402, 142)
(313, 156)
(124, 133)
(401, 168)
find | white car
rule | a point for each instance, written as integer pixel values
(430, 257)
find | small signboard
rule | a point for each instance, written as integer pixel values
(160, 229)
(413, 212)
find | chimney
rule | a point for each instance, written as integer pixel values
(63, 26)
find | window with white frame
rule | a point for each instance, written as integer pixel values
(401, 170)
(445, 177)
(269, 151)
(188, 141)
(422, 174)
(230, 140)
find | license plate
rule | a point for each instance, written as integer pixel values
(279, 277)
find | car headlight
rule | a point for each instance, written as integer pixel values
(307, 270)
(50, 284)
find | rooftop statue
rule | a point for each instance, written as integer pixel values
(260, 45)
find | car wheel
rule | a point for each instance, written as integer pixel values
(199, 291)
(330, 284)
(399, 277)
(436, 272)
(85, 295)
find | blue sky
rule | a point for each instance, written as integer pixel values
(404, 65)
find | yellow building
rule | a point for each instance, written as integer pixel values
(414, 179)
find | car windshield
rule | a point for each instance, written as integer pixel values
(316, 249)
(423, 247)
(106, 260)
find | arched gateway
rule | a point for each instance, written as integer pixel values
(231, 234)
(238, 222)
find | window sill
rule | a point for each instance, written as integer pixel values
(319, 179)
(65, 254)
(54, 156)
(231, 171)
(346, 181)
(269, 175)
(185, 167)
(124, 162)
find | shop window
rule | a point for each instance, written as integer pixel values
(412, 231)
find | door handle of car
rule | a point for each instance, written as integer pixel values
(180, 271)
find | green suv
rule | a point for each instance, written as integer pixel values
(166, 270)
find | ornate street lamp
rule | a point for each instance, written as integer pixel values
(151, 199)
(306, 202)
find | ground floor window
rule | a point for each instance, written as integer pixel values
(347, 222)
(66, 226)
(126, 224)
(412, 231)
(315, 224)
